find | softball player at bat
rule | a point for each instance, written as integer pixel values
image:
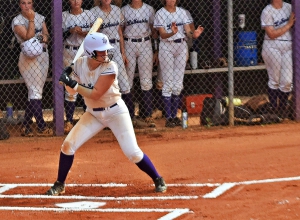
(76, 23)
(172, 23)
(138, 28)
(96, 79)
(26, 25)
(277, 20)
(112, 19)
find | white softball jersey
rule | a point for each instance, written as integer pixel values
(111, 21)
(164, 19)
(89, 78)
(277, 18)
(22, 21)
(83, 20)
(137, 21)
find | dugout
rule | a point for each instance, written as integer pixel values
(247, 82)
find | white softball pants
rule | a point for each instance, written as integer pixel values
(140, 52)
(34, 72)
(172, 61)
(277, 56)
(92, 122)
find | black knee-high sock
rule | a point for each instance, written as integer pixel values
(273, 95)
(38, 113)
(147, 102)
(28, 115)
(147, 166)
(65, 164)
(128, 99)
(283, 99)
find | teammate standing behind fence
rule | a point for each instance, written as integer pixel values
(172, 23)
(111, 27)
(34, 65)
(97, 81)
(138, 28)
(277, 20)
(76, 23)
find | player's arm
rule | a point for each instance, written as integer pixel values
(193, 34)
(102, 85)
(274, 33)
(164, 35)
(22, 31)
(154, 35)
(45, 33)
(122, 46)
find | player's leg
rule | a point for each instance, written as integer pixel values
(272, 59)
(145, 66)
(70, 100)
(166, 62)
(178, 75)
(131, 54)
(88, 126)
(123, 79)
(42, 66)
(29, 68)
(70, 105)
(118, 120)
(25, 68)
(130, 51)
(286, 79)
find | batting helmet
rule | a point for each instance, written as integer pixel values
(95, 42)
(32, 47)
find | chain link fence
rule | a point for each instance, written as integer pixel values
(206, 83)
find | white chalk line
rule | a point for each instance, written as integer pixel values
(109, 185)
(226, 186)
(105, 198)
(15, 208)
(69, 185)
(219, 191)
(173, 213)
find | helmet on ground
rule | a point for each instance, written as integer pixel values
(95, 42)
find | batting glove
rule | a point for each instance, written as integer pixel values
(66, 79)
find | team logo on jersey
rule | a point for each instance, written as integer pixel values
(107, 25)
(280, 22)
(177, 24)
(136, 21)
(104, 40)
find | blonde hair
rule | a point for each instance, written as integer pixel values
(164, 2)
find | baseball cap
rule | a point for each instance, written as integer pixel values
(32, 47)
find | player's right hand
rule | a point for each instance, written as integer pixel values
(30, 14)
(66, 79)
(292, 19)
(174, 28)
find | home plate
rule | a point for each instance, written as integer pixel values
(81, 205)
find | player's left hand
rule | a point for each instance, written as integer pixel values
(125, 60)
(66, 79)
(198, 32)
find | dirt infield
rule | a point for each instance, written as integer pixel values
(216, 173)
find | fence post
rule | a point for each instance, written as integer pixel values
(217, 48)
(296, 58)
(57, 66)
(230, 63)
